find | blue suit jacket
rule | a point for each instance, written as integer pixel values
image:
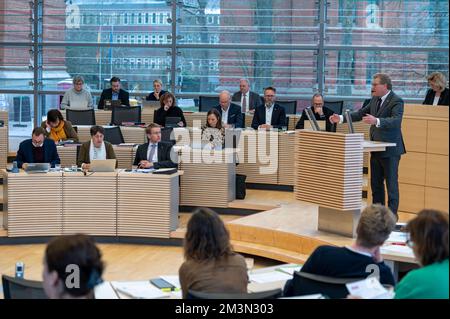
(25, 153)
(234, 115)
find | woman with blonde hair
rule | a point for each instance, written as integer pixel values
(439, 93)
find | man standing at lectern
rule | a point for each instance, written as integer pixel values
(384, 113)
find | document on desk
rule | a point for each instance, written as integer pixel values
(397, 237)
(105, 291)
(399, 249)
(289, 269)
(270, 276)
(138, 289)
(369, 288)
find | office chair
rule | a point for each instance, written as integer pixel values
(290, 107)
(268, 294)
(165, 135)
(18, 288)
(335, 106)
(122, 114)
(307, 284)
(205, 103)
(114, 135)
(81, 117)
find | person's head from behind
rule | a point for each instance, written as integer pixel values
(72, 267)
(317, 102)
(168, 100)
(54, 118)
(38, 137)
(157, 86)
(381, 85)
(437, 81)
(206, 236)
(244, 85)
(78, 82)
(153, 132)
(374, 227)
(97, 135)
(270, 94)
(428, 236)
(213, 119)
(115, 84)
(224, 100)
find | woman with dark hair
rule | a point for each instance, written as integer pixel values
(72, 267)
(213, 132)
(210, 263)
(57, 128)
(428, 238)
(168, 109)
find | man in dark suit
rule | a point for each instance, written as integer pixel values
(230, 113)
(155, 153)
(114, 93)
(37, 149)
(321, 113)
(384, 113)
(248, 100)
(270, 114)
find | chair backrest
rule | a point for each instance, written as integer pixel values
(18, 288)
(307, 284)
(81, 117)
(335, 106)
(205, 103)
(114, 135)
(122, 114)
(290, 107)
(165, 135)
(268, 294)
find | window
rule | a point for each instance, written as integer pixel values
(125, 38)
(132, 38)
(118, 38)
(161, 39)
(153, 39)
(139, 39)
(161, 18)
(132, 19)
(125, 18)
(153, 18)
(147, 20)
(139, 18)
(146, 38)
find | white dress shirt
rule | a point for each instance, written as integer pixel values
(155, 155)
(436, 100)
(225, 115)
(269, 111)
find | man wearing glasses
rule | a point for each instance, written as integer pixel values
(77, 98)
(384, 113)
(37, 149)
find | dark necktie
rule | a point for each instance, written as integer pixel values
(379, 104)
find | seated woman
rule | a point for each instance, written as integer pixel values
(428, 238)
(358, 260)
(213, 133)
(168, 109)
(95, 149)
(210, 264)
(157, 93)
(439, 93)
(57, 128)
(69, 256)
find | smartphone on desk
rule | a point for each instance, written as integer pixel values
(162, 284)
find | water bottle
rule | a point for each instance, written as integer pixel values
(15, 168)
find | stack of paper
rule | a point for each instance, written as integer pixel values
(369, 288)
(290, 269)
(269, 277)
(138, 289)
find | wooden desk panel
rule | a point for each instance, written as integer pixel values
(3, 145)
(437, 171)
(437, 137)
(436, 198)
(286, 149)
(414, 135)
(196, 116)
(67, 155)
(412, 168)
(412, 198)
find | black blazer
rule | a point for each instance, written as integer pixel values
(278, 116)
(124, 97)
(160, 115)
(151, 97)
(234, 115)
(254, 99)
(164, 150)
(25, 153)
(443, 100)
(326, 115)
(390, 130)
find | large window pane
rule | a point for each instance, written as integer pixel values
(15, 71)
(213, 70)
(15, 25)
(249, 22)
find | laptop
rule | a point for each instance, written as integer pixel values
(109, 104)
(38, 168)
(108, 165)
(172, 121)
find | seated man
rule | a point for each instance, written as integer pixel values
(321, 113)
(37, 149)
(114, 93)
(155, 153)
(77, 98)
(359, 260)
(270, 114)
(230, 113)
(249, 100)
(95, 149)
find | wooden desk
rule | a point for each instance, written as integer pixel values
(4, 145)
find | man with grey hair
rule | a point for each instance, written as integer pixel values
(384, 113)
(77, 98)
(230, 113)
(321, 113)
(248, 100)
